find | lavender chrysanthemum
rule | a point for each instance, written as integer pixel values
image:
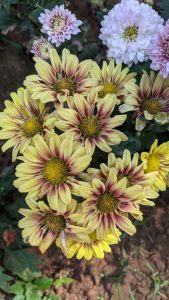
(159, 51)
(41, 48)
(127, 31)
(59, 24)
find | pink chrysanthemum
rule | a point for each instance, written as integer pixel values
(159, 51)
(41, 48)
(59, 24)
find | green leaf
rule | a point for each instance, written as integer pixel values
(19, 297)
(28, 275)
(17, 288)
(164, 8)
(6, 178)
(146, 139)
(32, 293)
(18, 260)
(44, 283)
(3, 281)
(7, 21)
(13, 207)
(133, 144)
(61, 281)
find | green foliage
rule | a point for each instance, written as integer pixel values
(164, 8)
(35, 287)
(132, 297)
(44, 283)
(158, 281)
(133, 144)
(22, 14)
(63, 280)
(18, 260)
(6, 181)
(4, 278)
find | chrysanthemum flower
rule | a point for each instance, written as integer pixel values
(91, 124)
(147, 99)
(159, 50)
(43, 225)
(49, 169)
(59, 24)
(157, 160)
(108, 204)
(127, 167)
(95, 247)
(22, 120)
(61, 79)
(41, 48)
(127, 31)
(111, 79)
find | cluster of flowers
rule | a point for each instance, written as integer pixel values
(58, 24)
(132, 31)
(55, 126)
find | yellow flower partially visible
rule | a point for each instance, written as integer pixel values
(22, 120)
(111, 79)
(95, 247)
(157, 160)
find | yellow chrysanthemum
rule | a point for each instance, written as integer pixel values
(148, 99)
(90, 122)
(95, 247)
(157, 160)
(50, 168)
(59, 80)
(43, 225)
(22, 120)
(112, 79)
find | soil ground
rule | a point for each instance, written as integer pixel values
(137, 267)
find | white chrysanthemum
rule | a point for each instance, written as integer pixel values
(41, 48)
(59, 24)
(127, 31)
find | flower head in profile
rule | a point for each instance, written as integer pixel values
(159, 50)
(90, 122)
(49, 169)
(61, 79)
(111, 79)
(43, 225)
(148, 99)
(95, 247)
(127, 31)
(157, 160)
(41, 48)
(109, 202)
(59, 24)
(22, 120)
